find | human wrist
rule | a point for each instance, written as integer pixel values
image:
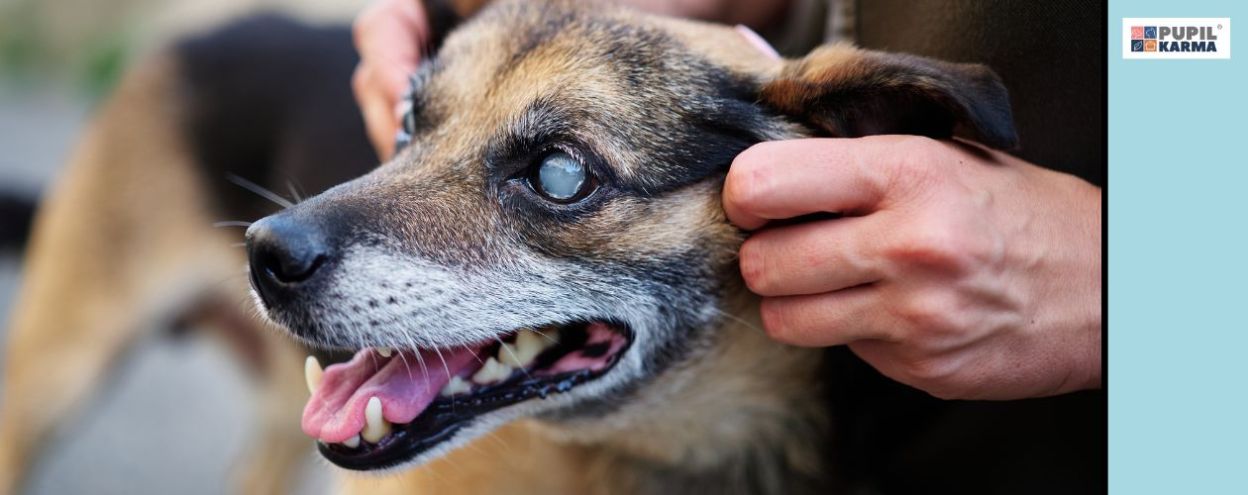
(1083, 283)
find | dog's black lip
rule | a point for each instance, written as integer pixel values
(446, 416)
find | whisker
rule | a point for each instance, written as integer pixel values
(445, 367)
(544, 336)
(474, 354)
(423, 369)
(405, 363)
(738, 319)
(501, 442)
(260, 191)
(513, 355)
(416, 350)
(290, 187)
(231, 223)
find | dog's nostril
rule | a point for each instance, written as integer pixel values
(284, 251)
(289, 268)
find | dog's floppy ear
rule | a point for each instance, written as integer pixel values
(848, 92)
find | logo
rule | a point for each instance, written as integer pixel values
(1190, 38)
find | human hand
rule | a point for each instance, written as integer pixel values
(390, 36)
(964, 272)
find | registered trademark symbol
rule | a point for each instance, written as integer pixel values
(1219, 26)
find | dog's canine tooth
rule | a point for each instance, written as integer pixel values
(508, 355)
(312, 373)
(528, 345)
(549, 336)
(352, 442)
(491, 372)
(385, 351)
(375, 426)
(457, 385)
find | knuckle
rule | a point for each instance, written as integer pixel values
(926, 316)
(935, 243)
(917, 142)
(771, 312)
(754, 266)
(913, 172)
(900, 142)
(749, 177)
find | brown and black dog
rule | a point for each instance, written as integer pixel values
(545, 262)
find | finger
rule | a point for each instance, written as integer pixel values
(810, 258)
(831, 318)
(390, 36)
(392, 32)
(378, 112)
(785, 179)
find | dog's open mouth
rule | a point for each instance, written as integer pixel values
(385, 407)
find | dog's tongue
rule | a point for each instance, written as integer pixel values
(405, 387)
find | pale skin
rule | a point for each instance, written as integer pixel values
(964, 272)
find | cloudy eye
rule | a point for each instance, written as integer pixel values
(561, 178)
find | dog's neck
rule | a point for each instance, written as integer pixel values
(745, 418)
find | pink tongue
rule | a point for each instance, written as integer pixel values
(336, 411)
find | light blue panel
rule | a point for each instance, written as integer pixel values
(1178, 262)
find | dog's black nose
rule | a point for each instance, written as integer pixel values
(285, 252)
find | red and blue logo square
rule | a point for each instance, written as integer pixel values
(1143, 32)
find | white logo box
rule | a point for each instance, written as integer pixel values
(1218, 26)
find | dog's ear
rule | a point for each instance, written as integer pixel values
(445, 15)
(847, 92)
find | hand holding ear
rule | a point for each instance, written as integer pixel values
(961, 271)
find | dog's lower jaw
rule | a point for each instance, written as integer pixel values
(746, 417)
(744, 414)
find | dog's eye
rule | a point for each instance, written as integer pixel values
(561, 178)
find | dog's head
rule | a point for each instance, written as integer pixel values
(551, 239)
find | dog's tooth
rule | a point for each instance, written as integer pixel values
(528, 346)
(491, 372)
(375, 426)
(352, 442)
(548, 336)
(457, 385)
(312, 373)
(508, 355)
(385, 351)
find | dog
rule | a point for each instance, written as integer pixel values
(538, 293)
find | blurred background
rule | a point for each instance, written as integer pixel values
(58, 59)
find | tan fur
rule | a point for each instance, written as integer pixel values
(122, 243)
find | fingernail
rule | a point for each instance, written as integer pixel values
(758, 42)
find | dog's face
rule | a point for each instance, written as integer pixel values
(551, 238)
